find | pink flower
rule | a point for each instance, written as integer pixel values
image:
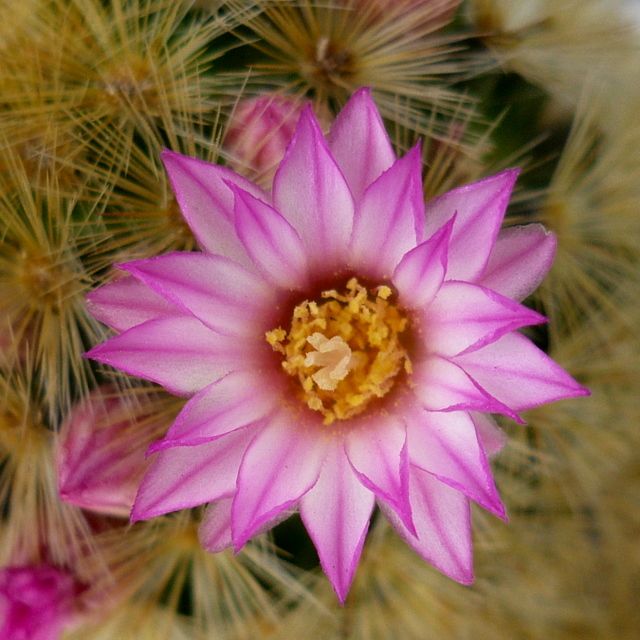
(100, 454)
(36, 602)
(341, 344)
(258, 134)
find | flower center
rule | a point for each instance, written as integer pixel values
(345, 351)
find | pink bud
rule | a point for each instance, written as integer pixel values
(258, 133)
(101, 450)
(37, 602)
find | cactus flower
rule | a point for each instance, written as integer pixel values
(258, 134)
(36, 602)
(342, 345)
(100, 452)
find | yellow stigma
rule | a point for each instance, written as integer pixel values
(344, 350)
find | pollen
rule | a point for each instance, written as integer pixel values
(345, 350)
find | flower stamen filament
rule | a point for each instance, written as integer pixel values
(345, 350)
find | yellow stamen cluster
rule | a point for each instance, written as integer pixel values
(345, 351)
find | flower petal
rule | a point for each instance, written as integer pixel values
(214, 532)
(273, 244)
(215, 529)
(442, 520)
(480, 208)
(492, 437)
(520, 259)
(178, 352)
(125, 303)
(421, 272)
(464, 317)
(519, 374)
(185, 477)
(336, 513)
(358, 132)
(206, 202)
(389, 218)
(447, 446)
(312, 194)
(236, 400)
(441, 385)
(377, 450)
(281, 464)
(222, 294)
